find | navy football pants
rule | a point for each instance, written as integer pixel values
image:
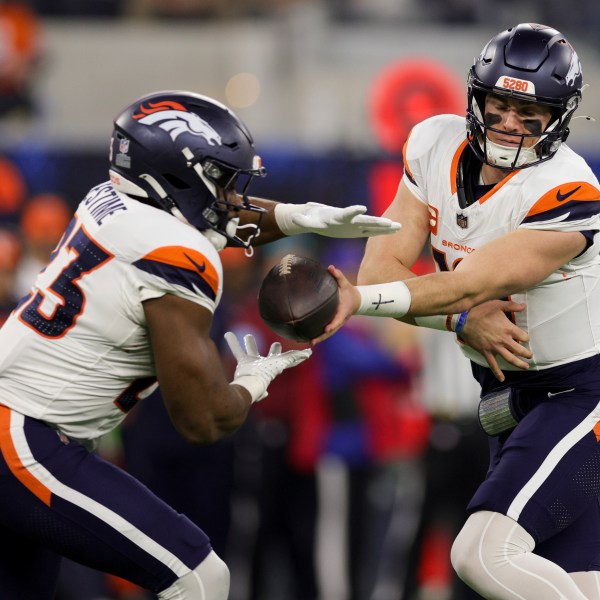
(56, 498)
(545, 474)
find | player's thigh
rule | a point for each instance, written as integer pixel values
(83, 507)
(577, 547)
(543, 474)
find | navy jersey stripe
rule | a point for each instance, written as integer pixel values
(190, 279)
(574, 210)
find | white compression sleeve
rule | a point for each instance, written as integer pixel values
(494, 555)
(588, 582)
(208, 581)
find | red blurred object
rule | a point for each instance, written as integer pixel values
(123, 589)
(408, 92)
(435, 570)
(12, 187)
(383, 184)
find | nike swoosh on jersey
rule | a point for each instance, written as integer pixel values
(199, 267)
(560, 197)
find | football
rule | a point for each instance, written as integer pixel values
(298, 298)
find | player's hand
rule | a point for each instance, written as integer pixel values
(349, 302)
(255, 372)
(494, 335)
(331, 221)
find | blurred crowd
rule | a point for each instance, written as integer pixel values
(482, 12)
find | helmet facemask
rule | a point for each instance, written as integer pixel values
(222, 214)
(521, 155)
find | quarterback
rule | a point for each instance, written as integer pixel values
(511, 214)
(125, 304)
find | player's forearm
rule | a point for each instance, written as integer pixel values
(435, 294)
(204, 416)
(269, 230)
(445, 293)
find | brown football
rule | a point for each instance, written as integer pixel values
(298, 298)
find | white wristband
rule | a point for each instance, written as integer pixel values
(384, 299)
(254, 384)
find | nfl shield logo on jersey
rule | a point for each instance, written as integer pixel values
(462, 220)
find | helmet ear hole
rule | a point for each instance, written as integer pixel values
(177, 183)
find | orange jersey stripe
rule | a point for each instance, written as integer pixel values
(580, 191)
(185, 258)
(410, 175)
(7, 447)
(454, 166)
(497, 187)
(454, 169)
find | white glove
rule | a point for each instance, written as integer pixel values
(330, 221)
(255, 372)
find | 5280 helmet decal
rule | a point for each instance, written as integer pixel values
(174, 118)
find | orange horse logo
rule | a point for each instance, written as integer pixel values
(176, 119)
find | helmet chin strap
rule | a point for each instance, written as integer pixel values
(248, 249)
(167, 202)
(218, 240)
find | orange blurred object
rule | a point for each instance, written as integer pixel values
(123, 589)
(10, 250)
(20, 32)
(45, 218)
(232, 257)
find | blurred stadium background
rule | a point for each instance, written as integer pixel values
(308, 77)
(330, 89)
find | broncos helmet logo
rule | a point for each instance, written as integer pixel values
(176, 119)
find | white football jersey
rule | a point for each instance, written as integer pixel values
(76, 353)
(563, 312)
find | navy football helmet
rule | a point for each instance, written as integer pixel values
(186, 154)
(528, 62)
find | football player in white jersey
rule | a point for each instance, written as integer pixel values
(125, 304)
(512, 217)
